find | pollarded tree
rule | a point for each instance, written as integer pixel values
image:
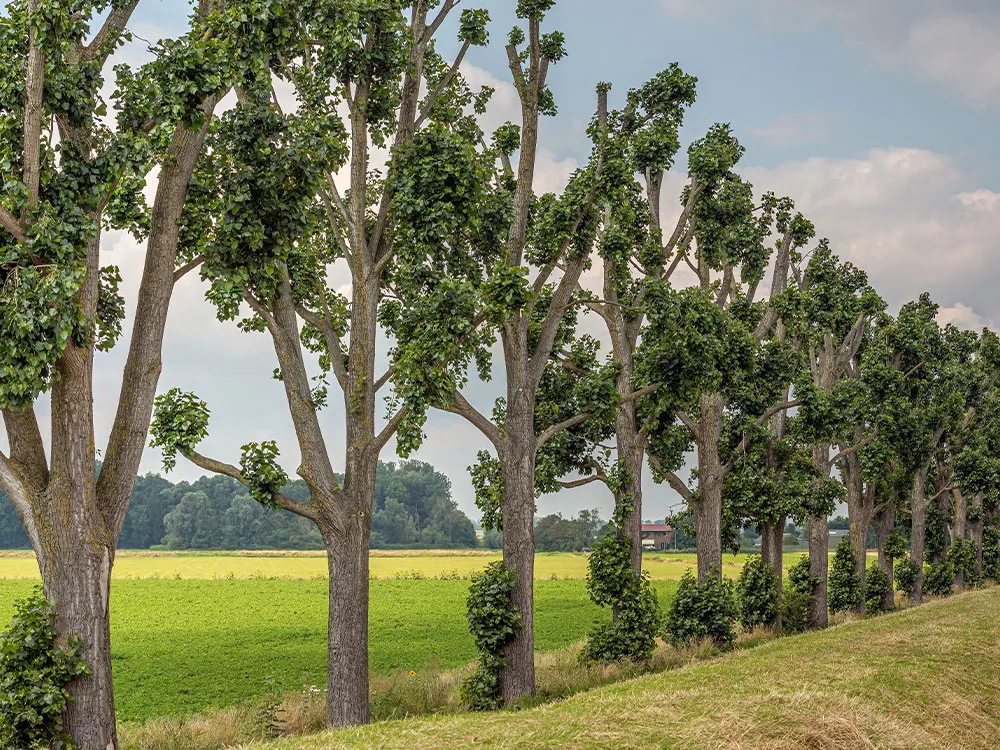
(710, 349)
(827, 313)
(520, 269)
(68, 174)
(274, 227)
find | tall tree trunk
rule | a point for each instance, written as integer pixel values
(819, 549)
(517, 465)
(771, 554)
(976, 533)
(708, 508)
(885, 522)
(347, 541)
(859, 513)
(631, 454)
(958, 532)
(918, 524)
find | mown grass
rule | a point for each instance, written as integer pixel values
(179, 647)
(665, 566)
(923, 678)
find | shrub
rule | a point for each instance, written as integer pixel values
(876, 588)
(939, 578)
(991, 552)
(844, 587)
(494, 621)
(702, 611)
(800, 578)
(795, 608)
(904, 571)
(757, 594)
(34, 673)
(962, 557)
(611, 582)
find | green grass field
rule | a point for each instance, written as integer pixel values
(921, 679)
(179, 647)
(662, 566)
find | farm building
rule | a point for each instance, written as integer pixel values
(656, 535)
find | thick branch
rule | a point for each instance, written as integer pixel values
(582, 481)
(432, 98)
(390, 429)
(12, 225)
(844, 452)
(184, 270)
(218, 467)
(107, 38)
(27, 449)
(672, 479)
(461, 406)
(555, 429)
(691, 424)
(32, 123)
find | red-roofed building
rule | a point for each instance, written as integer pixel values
(656, 535)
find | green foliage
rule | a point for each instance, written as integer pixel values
(35, 669)
(844, 587)
(702, 611)
(494, 621)
(796, 607)
(180, 422)
(904, 574)
(876, 588)
(962, 556)
(757, 594)
(939, 578)
(263, 475)
(991, 552)
(896, 545)
(799, 577)
(612, 582)
(553, 533)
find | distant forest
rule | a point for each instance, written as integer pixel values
(413, 508)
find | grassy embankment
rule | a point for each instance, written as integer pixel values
(923, 678)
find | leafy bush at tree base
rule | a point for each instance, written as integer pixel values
(904, 572)
(844, 586)
(757, 594)
(799, 577)
(494, 621)
(702, 611)
(34, 673)
(939, 578)
(876, 588)
(795, 608)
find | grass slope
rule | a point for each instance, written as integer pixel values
(924, 678)
(180, 647)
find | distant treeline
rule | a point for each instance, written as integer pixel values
(413, 508)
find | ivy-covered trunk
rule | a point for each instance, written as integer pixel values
(346, 541)
(708, 507)
(918, 524)
(819, 549)
(860, 508)
(517, 467)
(958, 532)
(885, 523)
(631, 453)
(976, 523)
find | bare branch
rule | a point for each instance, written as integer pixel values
(218, 467)
(106, 40)
(461, 406)
(691, 424)
(583, 481)
(386, 377)
(672, 479)
(12, 225)
(432, 98)
(777, 408)
(390, 429)
(555, 429)
(844, 452)
(181, 272)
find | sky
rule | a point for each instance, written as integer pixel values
(878, 119)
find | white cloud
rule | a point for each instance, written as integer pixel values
(956, 44)
(907, 217)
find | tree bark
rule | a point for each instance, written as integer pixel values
(517, 463)
(976, 532)
(708, 508)
(918, 523)
(860, 506)
(958, 532)
(885, 522)
(347, 644)
(819, 549)
(631, 453)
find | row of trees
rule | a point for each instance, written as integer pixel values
(413, 507)
(721, 317)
